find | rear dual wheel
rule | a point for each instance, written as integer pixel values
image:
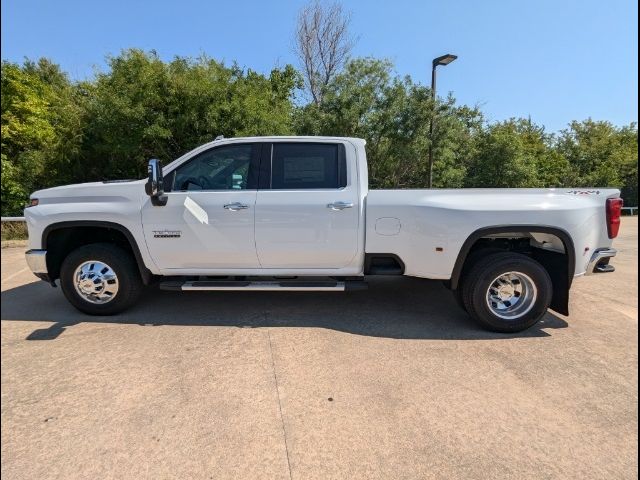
(505, 292)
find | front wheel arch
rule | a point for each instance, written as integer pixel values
(61, 238)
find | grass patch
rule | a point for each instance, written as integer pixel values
(14, 231)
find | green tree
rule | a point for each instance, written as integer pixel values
(55, 131)
(41, 130)
(602, 155)
(143, 108)
(516, 153)
(392, 114)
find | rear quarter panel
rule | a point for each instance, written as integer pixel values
(434, 224)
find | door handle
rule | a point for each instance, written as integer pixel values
(235, 206)
(339, 205)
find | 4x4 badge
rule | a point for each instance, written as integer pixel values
(584, 192)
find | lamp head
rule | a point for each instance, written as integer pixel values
(444, 60)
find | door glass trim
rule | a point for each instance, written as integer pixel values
(271, 169)
(265, 166)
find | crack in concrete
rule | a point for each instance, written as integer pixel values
(275, 378)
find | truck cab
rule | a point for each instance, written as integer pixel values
(253, 206)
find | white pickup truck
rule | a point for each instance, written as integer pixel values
(296, 213)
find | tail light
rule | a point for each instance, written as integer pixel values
(614, 210)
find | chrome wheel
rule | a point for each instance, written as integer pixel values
(511, 295)
(96, 282)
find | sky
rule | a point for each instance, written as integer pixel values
(554, 61)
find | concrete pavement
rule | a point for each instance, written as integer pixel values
(393, 382)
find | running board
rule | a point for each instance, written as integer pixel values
(263, 286)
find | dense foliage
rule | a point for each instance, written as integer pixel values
(56, 131)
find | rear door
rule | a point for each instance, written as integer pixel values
(307, 207)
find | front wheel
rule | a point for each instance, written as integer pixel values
(507, 292)
(100, 279)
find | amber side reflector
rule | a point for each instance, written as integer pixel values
(33, 202)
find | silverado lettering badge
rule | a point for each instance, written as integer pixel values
(167, 233)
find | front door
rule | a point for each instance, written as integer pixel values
(208, 221)
(307, 215)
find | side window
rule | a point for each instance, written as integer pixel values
(222, 168)
(307, 166)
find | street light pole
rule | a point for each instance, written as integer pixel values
(443, 60)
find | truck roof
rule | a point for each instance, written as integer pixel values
(289, 137)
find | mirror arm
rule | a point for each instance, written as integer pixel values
(159, 200)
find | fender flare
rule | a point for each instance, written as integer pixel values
(145, 273)
(564, 237)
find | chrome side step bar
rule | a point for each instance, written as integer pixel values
(263, 286)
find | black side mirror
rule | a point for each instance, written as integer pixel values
(155, 184)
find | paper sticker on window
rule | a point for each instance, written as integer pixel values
(303, 169)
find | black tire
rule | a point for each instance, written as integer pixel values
(471, 260)
(120, 261)
(480, 277)
(457, 294)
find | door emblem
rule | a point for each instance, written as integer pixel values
(167, 234)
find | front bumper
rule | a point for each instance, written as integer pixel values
(599, 262)
(37, 262)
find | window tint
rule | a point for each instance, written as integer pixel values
(308, 165)
(222, 168)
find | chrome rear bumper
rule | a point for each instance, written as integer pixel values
(599, 262)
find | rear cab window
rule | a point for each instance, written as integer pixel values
(308, 166)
